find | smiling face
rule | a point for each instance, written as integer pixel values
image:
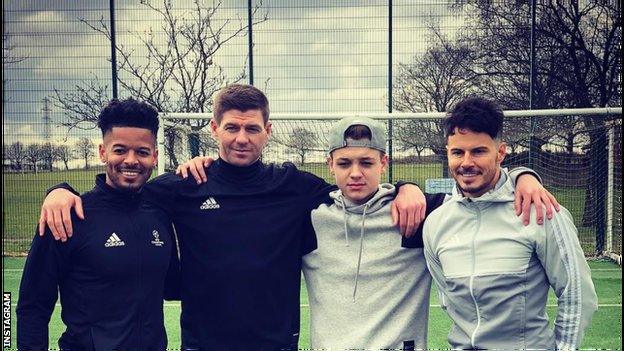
(241, 135)
(357, 171)
(474, 161)
(130, 156)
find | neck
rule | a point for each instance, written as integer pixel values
(490, 186)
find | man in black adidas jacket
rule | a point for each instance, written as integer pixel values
(242, 233)
(111, 274)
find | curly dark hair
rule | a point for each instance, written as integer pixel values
(128, 113)
(476, 114)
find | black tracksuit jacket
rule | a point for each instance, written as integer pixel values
(111, 277)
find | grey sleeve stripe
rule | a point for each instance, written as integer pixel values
(570, 303)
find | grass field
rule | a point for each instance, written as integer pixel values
(23, 194)
(605, 332)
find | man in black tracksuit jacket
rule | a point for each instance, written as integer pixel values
(111, 274)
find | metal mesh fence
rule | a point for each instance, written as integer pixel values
(572, 160)
(308, 56)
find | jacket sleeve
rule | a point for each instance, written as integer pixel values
(162, 190)
(317, 190)
(518, 171)
(44, 269)
(433, 263)
(433, 201)
(569, 275)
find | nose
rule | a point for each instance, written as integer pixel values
(131, 158)
(467, 161)
(242, 137)
(355, 173)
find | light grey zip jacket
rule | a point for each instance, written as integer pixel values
(366, 291)
(494, 273)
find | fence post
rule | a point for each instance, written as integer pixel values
(532, 76)
(160, 140)
(250, 41)
(390, 162)
(600, 179)
(610, 184)
(113, 50)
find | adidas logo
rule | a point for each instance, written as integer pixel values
(113, 241)
(210, 204)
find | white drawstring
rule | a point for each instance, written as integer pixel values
(344, 212)
(357, 273)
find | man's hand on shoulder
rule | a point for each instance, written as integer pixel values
(197, 167)
(56, 213)
(408, 209)
(530, 191)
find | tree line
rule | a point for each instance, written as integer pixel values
(35, 157)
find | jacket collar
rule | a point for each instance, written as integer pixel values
(504, 191)
(238, 173)
(113, 195)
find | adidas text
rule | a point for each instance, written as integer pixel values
(210, 204)
(114, 241)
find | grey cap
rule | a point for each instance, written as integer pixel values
(337, 138)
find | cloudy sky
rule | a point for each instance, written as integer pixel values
(309, 56)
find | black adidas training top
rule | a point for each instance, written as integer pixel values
(242, 235)
(110, 274)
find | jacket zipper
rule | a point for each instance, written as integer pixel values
(138, 279)
(472, 275)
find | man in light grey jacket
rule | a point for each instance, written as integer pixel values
(494, 273)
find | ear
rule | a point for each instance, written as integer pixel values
(384, 162)
(102, 153)
(269, 128)
(502, 152)
(155, 157)
(213, 128)
(330, 165)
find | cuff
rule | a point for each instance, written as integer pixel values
(65, 186)
(518, 171)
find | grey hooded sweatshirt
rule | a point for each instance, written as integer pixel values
(366, 290)
(494, 273)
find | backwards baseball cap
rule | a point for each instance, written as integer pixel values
(338, 140)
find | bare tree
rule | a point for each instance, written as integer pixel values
(433, 81)
(300, 141)
(16, 154)
(63, 153)
(47, 156)
(9, 57)
(578, 61)
(33, 155)
(85, 149)
(177, 70)
(83, 105)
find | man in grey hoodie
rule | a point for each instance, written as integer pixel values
(368, 286)
(492, 272)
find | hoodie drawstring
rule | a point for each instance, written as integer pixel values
(344, 212)
(357, 273)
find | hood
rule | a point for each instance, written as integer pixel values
(385, 193)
